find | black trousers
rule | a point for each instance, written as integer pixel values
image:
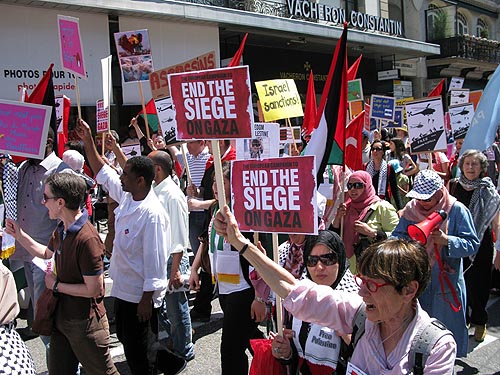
(202, 303)
(478, 281)
(237, 330)
(136, 337)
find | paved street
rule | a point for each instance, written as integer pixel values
(483, 359)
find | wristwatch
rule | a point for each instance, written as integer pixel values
(55, 290)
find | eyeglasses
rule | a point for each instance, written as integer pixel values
(377, 149)
(327, 259)
(355, 185)
(372, 286)
(45, 198)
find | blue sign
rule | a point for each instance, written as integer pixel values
(398, 119)
(382, 107)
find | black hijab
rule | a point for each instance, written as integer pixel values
(333, 241)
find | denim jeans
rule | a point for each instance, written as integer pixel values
(175, 318)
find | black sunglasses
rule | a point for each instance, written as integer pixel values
(355, 185)
(425, 200)
(377, 149)
(327, 259)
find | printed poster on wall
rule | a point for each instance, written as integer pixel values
(159, 78)
(71, 46)
(425, 120)
(263, 145)
(101, 117)
(382, 107)
(275, 195)
(212, 104)
(24, 128)
(279, 99)
(134, 55)
(460, 119)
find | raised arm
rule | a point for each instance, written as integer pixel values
(83, 131)
(280, 280)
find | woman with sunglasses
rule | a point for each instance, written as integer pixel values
(383, 176)
(392, 275)
(455, 238)
(326, 263)
(367, 218)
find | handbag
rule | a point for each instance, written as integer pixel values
(43, 324)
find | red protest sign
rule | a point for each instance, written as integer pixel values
(212, 104)
(275, 195)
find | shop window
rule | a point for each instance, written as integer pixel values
(462, 25)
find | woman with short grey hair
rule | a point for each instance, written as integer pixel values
(477, 192)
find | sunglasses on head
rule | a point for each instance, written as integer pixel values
(355, 185)
(327, 259)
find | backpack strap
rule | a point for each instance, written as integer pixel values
(358, 324)
(422, 344)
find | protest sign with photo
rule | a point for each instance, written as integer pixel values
(212, 104)
(70, 43)
(354, 90)
(382, 107)
(426, 125)
(456, 83)
(101, 117)
(24, 128)
(398, 118)
(134, 55)
(159, 78)
(263, 145)
(166, 114)
(279, 99)
(459, 96)
(131, 150)
(275, 195)
(460, 119)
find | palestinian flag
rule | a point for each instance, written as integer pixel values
(328, 139)
(235, 61)
(353, 69)
(152, 115)
(310, 111)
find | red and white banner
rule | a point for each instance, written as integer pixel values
(212, 104)
(101, 116)
(275, 195)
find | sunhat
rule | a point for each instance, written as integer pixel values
(427, 182)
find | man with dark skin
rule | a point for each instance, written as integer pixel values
(140, 252)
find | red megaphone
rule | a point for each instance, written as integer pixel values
(419, 232)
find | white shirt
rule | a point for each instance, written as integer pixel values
(174, 202)
(140, 247)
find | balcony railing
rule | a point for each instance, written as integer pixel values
(268, 7)
(470, 47)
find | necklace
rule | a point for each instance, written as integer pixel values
(404, 325)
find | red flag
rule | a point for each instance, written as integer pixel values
(436, 91)
(152, 115)
(44, 94)
(328, 139)
(353, 142)
(353, 69)
(311, 108)
(235, 61)
(62, 137)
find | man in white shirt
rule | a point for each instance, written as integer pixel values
(140, 252)
(175, 310)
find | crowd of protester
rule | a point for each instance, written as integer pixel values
(362, 263)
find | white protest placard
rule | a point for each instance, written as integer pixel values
(263, 145)
(106, 81)
(166, 117)
(460, 119)
(425, 120)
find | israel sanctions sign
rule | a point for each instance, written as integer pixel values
(279, 99)
(275, 195)
(212, 104)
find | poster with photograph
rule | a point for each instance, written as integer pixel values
(460, 119)
(425, 120)
(70, 43)
(459, 96)
(263, 145)
(132, 150)
(212, 104)
(134, 55)
(456, 83)
(166, 115)
(275, 195)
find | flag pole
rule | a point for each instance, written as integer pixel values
(144, 110)
(219, 179)
(78, 98)
(291, 130)
(186, 165)
(279, 310)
